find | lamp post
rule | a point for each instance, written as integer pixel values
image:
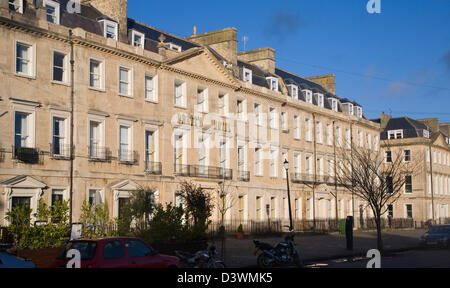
(286, 167)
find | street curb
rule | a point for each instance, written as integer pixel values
(358, 254)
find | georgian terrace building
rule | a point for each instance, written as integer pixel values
(95, 105)
(427, 194)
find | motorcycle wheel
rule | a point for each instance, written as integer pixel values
(218, 265)
(264, 261)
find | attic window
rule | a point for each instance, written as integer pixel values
(426, 134)
(110, 29)
(358, 111)
(52, 9)
(247, 73)
(395, 134)
(334, 104)
(273, 83)
(174, 47)
(308, 96)
(293, 91)
(16, 5)
(349, 108)
(137, 39)
(319, 99)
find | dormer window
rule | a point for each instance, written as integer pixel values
(52, 8)
(426, 134)
(273, 83)
(16, 5)
(358, 111)
(174, 47)
(137, 39)
(110, 29)
(395, 134)
(319, 99)
(334, 104)
(293, 91)
(308, 96)
(247, 75)
(348, 107)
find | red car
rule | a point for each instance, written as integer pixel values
(117, 252)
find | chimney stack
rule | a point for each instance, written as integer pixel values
(264, 58)
(384, 120)
(195, 31)
(223, 41)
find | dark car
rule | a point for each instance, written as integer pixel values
(437, 236)
(117, 252)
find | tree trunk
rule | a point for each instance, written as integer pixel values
(379, 238)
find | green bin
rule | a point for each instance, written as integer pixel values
(342, 226)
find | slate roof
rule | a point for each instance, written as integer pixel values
(411, 128)
(89, 18)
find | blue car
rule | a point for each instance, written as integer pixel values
(437, 236)
(9, 261)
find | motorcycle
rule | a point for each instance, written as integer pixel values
(201, 259)
(284, 253)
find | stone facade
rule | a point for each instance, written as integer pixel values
(430, 194)
(79, 108)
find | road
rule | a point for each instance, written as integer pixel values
(430, 258)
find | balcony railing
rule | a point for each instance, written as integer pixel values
(244, 176)
(154, 168)
(60, 151)
(203, 171)
(26, 155)
(301, 177)
(99, 154)
(128, 157)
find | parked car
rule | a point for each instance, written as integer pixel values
(10, 261)
(117, 252)
(437, 236)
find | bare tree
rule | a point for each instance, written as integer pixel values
(376, 177)
(225, 200)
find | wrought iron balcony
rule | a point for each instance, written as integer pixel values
(99, 154)
(128, 157)
(302, 178)
(26, 155)
(244, 176)
(203, 171)
(154, 168)
(60, 151)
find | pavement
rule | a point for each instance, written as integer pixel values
(312, 248)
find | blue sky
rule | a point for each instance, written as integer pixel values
(397, 62)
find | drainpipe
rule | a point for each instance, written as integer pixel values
(72, 98)
(335, 170)
(431, 180)
(315, 170)
(351, 159)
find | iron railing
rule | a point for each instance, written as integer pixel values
(60, 151)
(154, 168)
(243, 176)
(301, 177)
(128, 157)
(201, 171)
(26, 155)
(98, 153)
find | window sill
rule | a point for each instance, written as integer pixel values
(31, 77)
(126, 96)
(151, 101)
(97, 89)
(180, 107)
(55, 82)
